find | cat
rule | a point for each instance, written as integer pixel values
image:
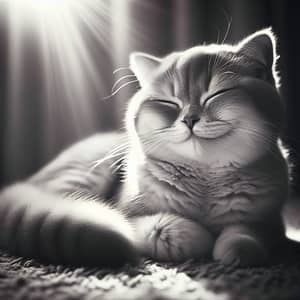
(201, 169)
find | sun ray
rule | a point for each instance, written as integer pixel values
(70, 80)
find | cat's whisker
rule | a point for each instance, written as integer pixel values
(284, 136)
(255, 131)
(116, 161)
(155, 137)
(224, 66)
(151, 147)
(123, 85)
(208, 65)
(116, 164)
(121, 69)
(120, 147)
(118, 89)
(218, 34)
(121, 151)
(262, 138)
(114, 154)
(154, 134)
(219, 60)
(121, 168)
(229, 22)
(148, 144)
(101, 161)
(215, 60)
(110, 156)
(121, 79)
(270, 125)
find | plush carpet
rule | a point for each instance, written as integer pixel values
(205, 280)
(28, 279)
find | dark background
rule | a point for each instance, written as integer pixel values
(157, 27)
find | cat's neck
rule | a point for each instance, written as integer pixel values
(175, 171)
(180, 176)
(177, 176)
(189, 178)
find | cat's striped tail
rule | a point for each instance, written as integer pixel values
(58, 230)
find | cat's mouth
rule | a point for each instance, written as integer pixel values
(212, 130)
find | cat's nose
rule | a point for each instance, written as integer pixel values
(190, 120)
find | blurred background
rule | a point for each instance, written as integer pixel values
(64, 64)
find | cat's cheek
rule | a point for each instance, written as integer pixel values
(148, 122)
(154, 116)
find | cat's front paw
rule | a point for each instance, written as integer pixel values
(166, 237)
(240, 249)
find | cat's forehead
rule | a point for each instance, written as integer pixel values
(189, 73)
(200, 55)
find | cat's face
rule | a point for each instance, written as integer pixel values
(209, 104)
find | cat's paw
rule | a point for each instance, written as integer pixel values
(240, 249)
(166, 237)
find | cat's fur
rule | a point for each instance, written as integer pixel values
(203, 173)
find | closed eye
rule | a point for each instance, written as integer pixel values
(167, 103)
(217, 93)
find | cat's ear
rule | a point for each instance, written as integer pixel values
(261, 46)
(143, 65)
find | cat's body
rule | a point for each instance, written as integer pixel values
(202, 171)
(217, 196)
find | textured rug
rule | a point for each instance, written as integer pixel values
(205, 280)
(28, 279)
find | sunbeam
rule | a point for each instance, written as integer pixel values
(56, 42)
(60, 62)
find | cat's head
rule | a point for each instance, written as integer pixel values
(208, 104)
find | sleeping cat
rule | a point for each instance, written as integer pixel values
(201, 170)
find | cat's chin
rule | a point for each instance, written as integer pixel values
(189, 149)
(197, 150)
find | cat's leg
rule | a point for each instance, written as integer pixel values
(168, 237)
(56, 229)
(58, 214)
(242, 245)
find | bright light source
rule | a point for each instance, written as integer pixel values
(31, 10)
(60, 40)
(40, 4)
